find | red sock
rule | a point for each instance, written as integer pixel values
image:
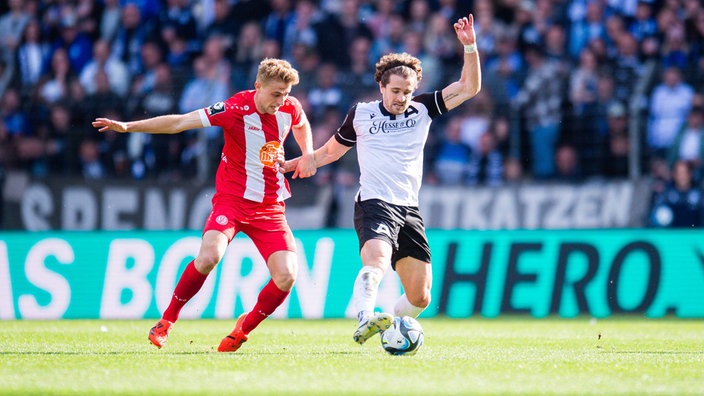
(191, 281)
(269, 299)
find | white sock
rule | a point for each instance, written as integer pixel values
(404, 307)
(365, 289)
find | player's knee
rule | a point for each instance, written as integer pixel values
(207, 260)
(422, 300)
(285, 280)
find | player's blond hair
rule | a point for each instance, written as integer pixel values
(271, 69)
(402, 64)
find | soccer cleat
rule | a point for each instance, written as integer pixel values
(234, 341)
(377, 323)
(160, 332)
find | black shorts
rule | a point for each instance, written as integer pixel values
(401, 226)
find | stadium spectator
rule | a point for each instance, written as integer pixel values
(327, 92)
(643, 24)
(567, 164)
(53, 87)
(103, 98)
(176, 19)
(109, 20)
(32, 55)
(486, 164)
(476, 119)
(504, 73)
(133, 32)
(89, 159)
(335, 33)
(451, 157)
(248, 51)
(205, 88)
(390, 136)
(380, 20)
(392, 38)
(613, 156)
(587, 28)
(670, 103)
(12, 25)
(418, 15)
(356, 79)
(584, 98)
(540, 98)
(625, 67)
(249, 196)
(223, 24)
(280, 25)
(15, 120)
(680, 204)
(116, 71)
(77, 45)
(689, 143)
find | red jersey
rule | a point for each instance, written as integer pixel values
(247, 167)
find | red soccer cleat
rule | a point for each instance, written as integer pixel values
(160, 332)
(234, 341)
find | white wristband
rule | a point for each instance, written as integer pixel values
(470, 48)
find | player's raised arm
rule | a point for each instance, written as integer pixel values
(470, 81)
(172, 123)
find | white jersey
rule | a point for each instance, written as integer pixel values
(390, 147)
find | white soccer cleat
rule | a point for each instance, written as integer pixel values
(376, 323)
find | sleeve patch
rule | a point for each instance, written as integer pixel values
(218, 107)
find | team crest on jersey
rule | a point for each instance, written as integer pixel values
(268, 153)
(218, 107)
(222, 220)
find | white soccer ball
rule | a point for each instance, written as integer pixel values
(404, 337)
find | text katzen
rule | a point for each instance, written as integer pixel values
(384, 126)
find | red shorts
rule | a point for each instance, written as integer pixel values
(264, 223)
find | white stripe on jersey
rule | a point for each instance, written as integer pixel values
(284, 121)
(254, 137)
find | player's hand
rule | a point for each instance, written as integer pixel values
(288, 166)
(106, 124)
(464, 27)
(305, 167)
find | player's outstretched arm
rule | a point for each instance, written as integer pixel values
(305, 167)
(330, 152)
(470, 81)
(173, 123)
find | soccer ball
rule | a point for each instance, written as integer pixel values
(404, 337)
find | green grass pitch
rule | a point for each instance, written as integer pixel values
(476, 356)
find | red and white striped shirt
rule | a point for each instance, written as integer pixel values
(247, 167)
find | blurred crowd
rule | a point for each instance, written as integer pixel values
(567, 84)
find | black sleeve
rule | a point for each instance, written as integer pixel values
(433, 102)
(346, 135)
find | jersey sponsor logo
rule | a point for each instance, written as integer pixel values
(218, 107)
(383, 229)
(268, 153)
(385, 126)
(222, 220)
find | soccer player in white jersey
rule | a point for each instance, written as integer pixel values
(390, 135)
(249, 190)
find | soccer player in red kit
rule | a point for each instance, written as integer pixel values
(249, 190)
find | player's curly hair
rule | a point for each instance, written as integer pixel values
(271, 69)
(400, 64)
